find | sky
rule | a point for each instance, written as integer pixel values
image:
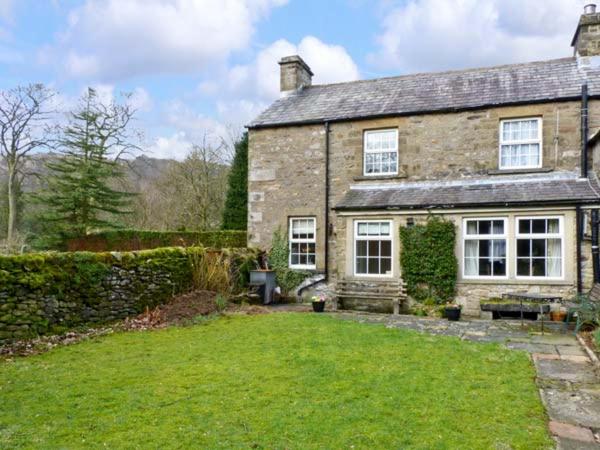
(204, 68)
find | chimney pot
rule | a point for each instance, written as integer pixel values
(294, 74)
(590, 8)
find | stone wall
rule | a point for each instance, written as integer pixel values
(51, 292)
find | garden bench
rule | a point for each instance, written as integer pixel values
(394, 291)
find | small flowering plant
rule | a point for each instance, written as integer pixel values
(452, 305)
(318, 298)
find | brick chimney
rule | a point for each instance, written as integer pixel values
(586, 41)
(294, 74)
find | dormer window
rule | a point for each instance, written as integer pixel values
(380, 152)
(521, 143)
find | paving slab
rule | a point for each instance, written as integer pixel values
(570, 444)
(575, 358)
(575, 372)
(532, 348)
(537, 356)
(574, 432)
(573, 407)
(555, 339)
(575, 350)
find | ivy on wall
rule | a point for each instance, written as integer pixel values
(429, 265)
(288, 279)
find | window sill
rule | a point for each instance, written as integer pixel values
(518, 171)
(400, 176)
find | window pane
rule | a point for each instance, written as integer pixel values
(485, 267)
(311, 247)
(498, 227)
(471, 267)
(361, 265)
(554, 248)
(485, 226)
(311, 259)
(373, 229)
(386, 248)
(523, 267)
(295, 248)
(539, 267)
(471, 249)
(538, 226)
(386, 265)
(499, 267)
(374, 266)
(362, 229)
(385, 229)
(485, 248)
(295, 259)
(524, 226)
(471, 227)
(361, 248)
(373, 248)
(499, 248)
(553, 226)
(538, 247)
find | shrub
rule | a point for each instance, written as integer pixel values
(428, 262)
(287, 279)
(130, 240)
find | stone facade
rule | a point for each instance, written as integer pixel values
(287, 167)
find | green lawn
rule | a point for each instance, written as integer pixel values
(272, 381)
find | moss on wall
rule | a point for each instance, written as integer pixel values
(47, 292)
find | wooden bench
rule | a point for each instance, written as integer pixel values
(394, 291)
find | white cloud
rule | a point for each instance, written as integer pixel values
(114, 39)
(245, 90)
(446, 34)
(175, 146)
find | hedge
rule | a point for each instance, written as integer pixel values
(131, 240)
(49, 292)
(428, 261)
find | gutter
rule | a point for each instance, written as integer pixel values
(579, 226)
(595, 250)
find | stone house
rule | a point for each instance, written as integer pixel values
(508, 153)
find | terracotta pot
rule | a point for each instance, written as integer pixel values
(558, 316)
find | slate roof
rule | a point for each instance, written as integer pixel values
(561, 188)
(433, 92)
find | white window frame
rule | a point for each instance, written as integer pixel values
(484, 237)
(366, 133)
(390, 238)
(538, 141)
(292, 240)
(560, 235)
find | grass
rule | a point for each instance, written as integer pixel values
(272, 381)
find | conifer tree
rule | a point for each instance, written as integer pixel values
(79, 195)
(235, 214)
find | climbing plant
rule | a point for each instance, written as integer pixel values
(287, 278)
(428, 262)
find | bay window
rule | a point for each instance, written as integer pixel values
(539, 247)
(302, 243)
(484, 243)
(380, 152)
(521, 143)
(373, 248)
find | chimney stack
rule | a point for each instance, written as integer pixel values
(294, 74)
(586, 41)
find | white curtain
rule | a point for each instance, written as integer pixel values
(554, 266)
(471, 254)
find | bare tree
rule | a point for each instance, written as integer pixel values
(23, 111)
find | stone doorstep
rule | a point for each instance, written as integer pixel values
(538, 356)
(572, 350)
(569, 431)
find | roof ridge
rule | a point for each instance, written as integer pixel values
(443, 72)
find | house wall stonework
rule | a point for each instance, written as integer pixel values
(287, 175)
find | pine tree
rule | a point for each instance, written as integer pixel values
(235, 214)
(79, 196)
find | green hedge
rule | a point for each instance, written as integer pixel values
(130, 240)
(48, 292)
(429, 265)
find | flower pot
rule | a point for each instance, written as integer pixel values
(452, 313)
(558, 316)
(318, 306)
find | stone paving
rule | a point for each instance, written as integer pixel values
(568, 382)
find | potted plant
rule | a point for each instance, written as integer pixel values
(452, 311)
(318, 303)
(559, 315)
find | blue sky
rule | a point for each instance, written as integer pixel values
(201, 68)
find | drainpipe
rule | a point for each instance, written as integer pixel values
(326, 201)
(595, 250)
(584, 130)
(579, 225)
